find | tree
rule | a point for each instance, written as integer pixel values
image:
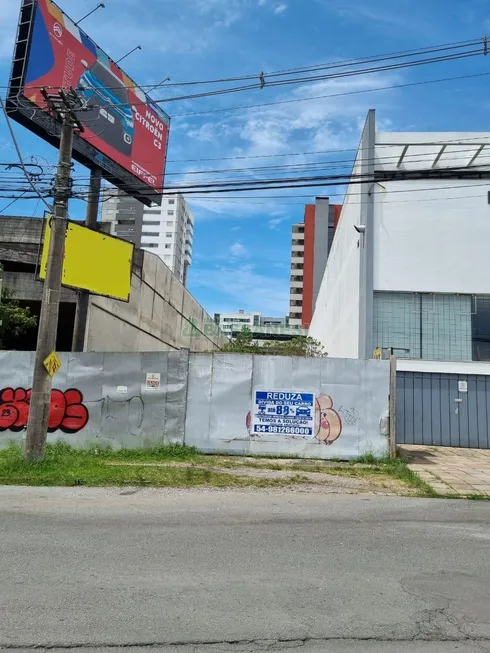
(14, 320)
(243, 343)
(301, 346)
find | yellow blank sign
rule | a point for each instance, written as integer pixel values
(93, 261)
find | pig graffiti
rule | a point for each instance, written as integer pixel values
(67, 412)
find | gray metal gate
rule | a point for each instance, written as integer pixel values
(449, 410)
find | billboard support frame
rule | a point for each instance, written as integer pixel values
(83, 296)
(125, 169)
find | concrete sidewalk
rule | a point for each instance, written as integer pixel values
(450, 470)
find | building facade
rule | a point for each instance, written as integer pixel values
(228, 322)
(311, 243)
(263, 329)
(166, 230)
(408, 271)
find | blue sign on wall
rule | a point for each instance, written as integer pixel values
(284, 413)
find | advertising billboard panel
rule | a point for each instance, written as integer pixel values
(93, 261)
(125, 132)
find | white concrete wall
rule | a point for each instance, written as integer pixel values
(431, 235)
(335, 320)
(432, 240)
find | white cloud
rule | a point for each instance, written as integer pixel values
(279, 9)
(237, 250)
(322, 124)
(247, 288)
(275, 222)
(384, 14)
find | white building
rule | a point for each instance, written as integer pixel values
(263, 329)
(409, 264)
(228, 322)
(166, 230)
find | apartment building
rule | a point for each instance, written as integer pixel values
(311, 243)
(166, 230)
(228, 322)
(263, 329)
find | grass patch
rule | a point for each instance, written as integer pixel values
(176, 465)
(66, 466)
(399, 469)
(365, 467)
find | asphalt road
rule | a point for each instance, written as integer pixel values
(242, 571)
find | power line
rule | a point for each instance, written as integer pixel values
(21, 159)
(316, 152)
(331, 164)
(303, 80)
(330, 195)
(330, 95)
(305, 182)
(305, 69)
(256, 199)
(324, 165)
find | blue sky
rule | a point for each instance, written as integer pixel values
(242, 245)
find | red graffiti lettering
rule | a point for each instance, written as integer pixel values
(67, 411)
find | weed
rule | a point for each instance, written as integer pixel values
(64, 465)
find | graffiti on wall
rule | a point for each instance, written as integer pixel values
(328, 422)
(67, 412)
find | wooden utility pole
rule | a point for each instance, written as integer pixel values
(63, 106)
(83, 298)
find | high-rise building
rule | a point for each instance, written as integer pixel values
(311, 244)
(166, 230)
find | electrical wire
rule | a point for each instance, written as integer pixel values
(336, 163)
(327, 165)
(13, 201)
(313, 98)
(306, 182)
(317, 78)
(303, 80)
(305, 69)
(316, 152)
(21, 159)
(330, 95)
(13, 182)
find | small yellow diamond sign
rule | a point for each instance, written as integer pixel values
(378, 354)
(52, 363)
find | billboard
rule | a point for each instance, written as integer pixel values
(125, 132)
(93, 261)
